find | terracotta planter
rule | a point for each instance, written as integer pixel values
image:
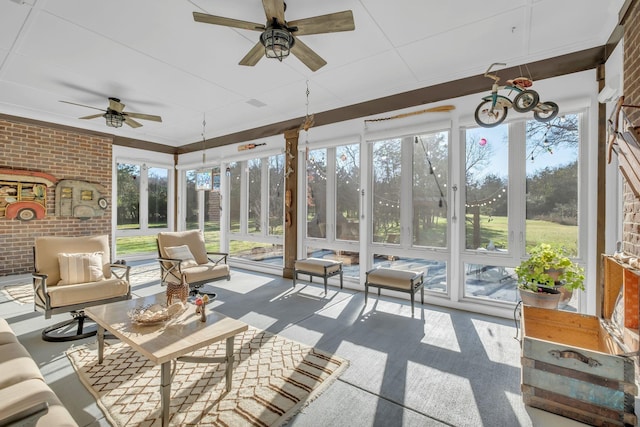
(565, 293)
(550, 298)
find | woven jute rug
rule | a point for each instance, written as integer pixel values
(273, 378)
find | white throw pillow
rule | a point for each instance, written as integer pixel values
(80, 268)
(182, 253)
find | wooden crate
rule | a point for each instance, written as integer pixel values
(577, 365)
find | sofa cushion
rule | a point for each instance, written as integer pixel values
(183, 253)
(87, 292)
(25, 394)
(16, 365)
(6, 333)
(80, 268)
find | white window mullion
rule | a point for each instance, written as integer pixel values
(144, 197)
(331, 195)
(406, 196)
(244, 197)
(264, 196)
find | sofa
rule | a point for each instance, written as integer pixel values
(25, 398)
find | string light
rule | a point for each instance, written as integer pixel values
(488, 200)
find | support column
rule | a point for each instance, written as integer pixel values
(290, 202)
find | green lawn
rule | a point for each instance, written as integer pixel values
(494, 228)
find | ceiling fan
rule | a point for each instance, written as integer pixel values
(279, 37)
(115, 115)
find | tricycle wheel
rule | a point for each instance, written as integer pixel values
(487, 115)
(526, 101)
(546, 111)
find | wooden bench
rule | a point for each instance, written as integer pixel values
(318, 267)
(395, 280)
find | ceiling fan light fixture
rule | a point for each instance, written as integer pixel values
(114, 119)
(277, 42)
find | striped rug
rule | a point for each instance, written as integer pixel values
(273, 379)
(21, 294)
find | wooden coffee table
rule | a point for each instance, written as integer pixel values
(167, 342)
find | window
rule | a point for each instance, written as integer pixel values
(502, 222)
(158, 189)
(333, 206)
(552, 182)
(487, 184)
(256, 208)
(410, 204)
(317, 194)
(348, 192)
(276, 195)
(143, 192)
(128, 196)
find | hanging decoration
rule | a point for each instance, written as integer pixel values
(439, 109)
(244, 147)
(442, 200)
(204, 178)
(482, 142)
(307, 124)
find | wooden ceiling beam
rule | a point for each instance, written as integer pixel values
(553, 67)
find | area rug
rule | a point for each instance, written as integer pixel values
(21, 294)
(273, 378)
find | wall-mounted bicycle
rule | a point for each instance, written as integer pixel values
(494, 108)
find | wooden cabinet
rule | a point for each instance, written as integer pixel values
(581, 366)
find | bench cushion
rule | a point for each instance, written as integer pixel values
(317, 265)
(400, 279)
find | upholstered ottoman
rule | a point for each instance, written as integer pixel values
(395, 280)
(318, 267)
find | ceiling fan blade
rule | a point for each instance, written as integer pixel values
(227, 22)
(274, 9)
(254, 55)
(131, 122)
(93, 116)
(116, 105)
(331, 23)
(143, 116)
(81, 105)
(307, 56)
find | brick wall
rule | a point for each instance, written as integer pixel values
(631, 84)
(65, 154)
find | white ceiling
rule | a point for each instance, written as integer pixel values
(154, 57)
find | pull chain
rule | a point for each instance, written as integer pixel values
(204, 152)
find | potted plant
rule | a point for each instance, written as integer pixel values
(548, 271)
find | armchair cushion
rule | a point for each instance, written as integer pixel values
(204, 272)
(182, 253)
(194, 239)
(48, 248)
(79, 293)
(80, 268)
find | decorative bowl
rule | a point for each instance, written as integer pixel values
(153, 314)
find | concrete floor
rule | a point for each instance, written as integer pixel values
(442, 368)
